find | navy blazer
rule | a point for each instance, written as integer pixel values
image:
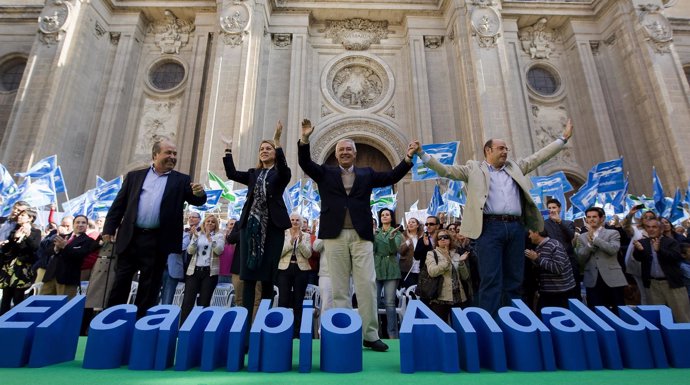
(70, 259)
(669, 260)
(335, 200)
(277, 180)
(123, 213)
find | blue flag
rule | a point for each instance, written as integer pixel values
(12, 199)
(443, 152)
(585, 197)
(7, 184)
(608, 175)
(659, 201)
(553, 183)
(436, 202)
(59, 181)
(456, 192)
(212, 199)
(677, 207)
(99, 181)
(40, 168)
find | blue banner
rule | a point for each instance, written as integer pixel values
(59, 181)
(456, 192)
(608, 176)
(552, 184)
(40, 168)
(436, 202)
(7, 184)
(659, 201)
(443, 152)
(212, 199)
(585, 197)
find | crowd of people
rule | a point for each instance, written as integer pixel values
(502, 248)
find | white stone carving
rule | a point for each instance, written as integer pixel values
(232, 39)
(159, 118)
(486, 23)
(538, 40)
(172, 33)
(390, 112)
(384, 139)
(325, 111)
(549, 123)
(53, 21)
(115, 38)
(99, 30)
(282, 39)
(657, 28)
(234, 21)
(356, 34)
(358, 83)
(433, 42)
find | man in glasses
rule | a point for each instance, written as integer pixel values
(499, 208)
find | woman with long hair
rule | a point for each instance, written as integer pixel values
(293, 269)
(264, 217)
(387, 240)
(17, 256)
(411, 252)
(444, 261)
(201, 279)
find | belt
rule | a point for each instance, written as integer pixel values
(658, 279)
(500, 218)
(141, 230)
(293, 261)
(202, 268)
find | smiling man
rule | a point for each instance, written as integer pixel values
(346, 225)
(499, 208)
(147, 214)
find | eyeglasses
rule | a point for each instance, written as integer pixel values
(501, 148)
(431, 224)
(204, 252)
(444, 237)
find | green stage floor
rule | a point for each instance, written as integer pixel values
(379, 369)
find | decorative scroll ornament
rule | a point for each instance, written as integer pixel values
(538, 40)
(433, 42)
(282, 39)
(172, 33)
(486, 23)
(656, 27)
(234, 23)
(358, 83)
(356, 34)
(53, 21)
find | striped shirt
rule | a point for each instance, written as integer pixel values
(555, 271)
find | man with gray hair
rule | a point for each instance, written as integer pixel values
(347, 233)
(147, 214)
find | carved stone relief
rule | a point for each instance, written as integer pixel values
(172, 33)
(657, 28)
(282, 39)
(549, 123)
(325, 111)
(159, 118)
(538, 40)
(234, 20)
(53, 21)
(115, 38)
(486, 23)
(433, 42)
(99, 30)
(356, 34)
(390, 112)
(357, 82)
(391, 145)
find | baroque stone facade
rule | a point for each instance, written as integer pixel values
(95, 82)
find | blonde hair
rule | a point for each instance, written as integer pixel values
(260, 165)
(203, 228)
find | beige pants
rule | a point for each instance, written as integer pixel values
(238, 284)
(351, 255)
(677, 299)
(48, 288)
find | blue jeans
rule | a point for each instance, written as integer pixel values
(169, 286)
(389, 287)
(500, 255)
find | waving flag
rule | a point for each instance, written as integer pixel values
(608, 176)
(383, 198)
(292, 198)
(40, 168)
(585, 197)
(212, 199)
(436, 202)
(59, 181)
(216, 183)
(443, 152)
(7, 184)
(12, 199)
(659, 201)
(456, 192)
(677, 212)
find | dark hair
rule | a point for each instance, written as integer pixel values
(82, 216)
(438, 222)
(554, 201)
(487, 146)
(156, 148)
(21, 203)
(599, 211)
(31, 213)
(393, 224)
(543, 234)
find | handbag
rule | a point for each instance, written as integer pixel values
(429, 287)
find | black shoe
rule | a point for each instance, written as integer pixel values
(377, 346)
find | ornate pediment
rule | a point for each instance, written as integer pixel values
(657, 28)
(356, 34)
(172, 33)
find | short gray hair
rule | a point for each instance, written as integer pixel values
(352, 142)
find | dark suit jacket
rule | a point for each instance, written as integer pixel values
(669, 259)
(563, 232)
(123, 213)
(276, 181)
(69, 259)
(334, 199)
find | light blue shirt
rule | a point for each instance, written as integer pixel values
(504, 193)
(6, 228)
(149, 209)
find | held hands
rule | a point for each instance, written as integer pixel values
(277, 134)
(197, 189)
(415, 147)
(307, 130)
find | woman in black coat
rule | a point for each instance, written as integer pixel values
(17, 255)
(264, 216)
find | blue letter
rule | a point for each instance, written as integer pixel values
(608, 341)
(109, 340)
(473, 325)
(153, 342)
(305, 345)
(426, 342)
(341, 341)
(56, 338)
(676, 335)
(270, 340)
(528, 340)
(575, 343)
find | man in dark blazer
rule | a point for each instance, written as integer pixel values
(148, 216)
(346, 225)
(660, 258)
